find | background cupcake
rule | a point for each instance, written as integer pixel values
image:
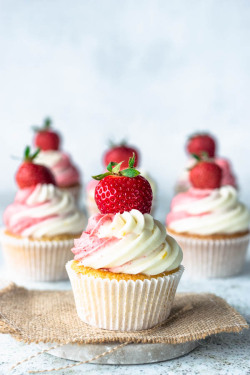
(199, 144)
(126, 269)
(118, 153)
(66, 173)
(210, 224)
(39, 226)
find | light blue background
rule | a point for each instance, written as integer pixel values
(151, 71)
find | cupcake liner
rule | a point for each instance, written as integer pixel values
(36, 260)
(213, 258)
(123, 305)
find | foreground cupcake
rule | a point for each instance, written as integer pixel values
(40, 225)
(210, 224)
(199, 144)
(126, 269)
(66, 173)
(118, 153)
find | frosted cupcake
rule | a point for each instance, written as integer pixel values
(40, 226)
(199, 144)
(118, 153)
(210, 224)
(126, 268)
(66, 173)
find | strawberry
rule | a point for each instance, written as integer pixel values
(118, 153)
(201, 143)
(123, 190)
(30, 174)
(45, 138)
(205, 174)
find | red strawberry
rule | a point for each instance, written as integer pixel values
(124, 190)
(201, 143)
(120, 153)
(30, 174)
(206, 175)
(46, 139)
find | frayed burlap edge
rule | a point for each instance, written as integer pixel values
(146, 336)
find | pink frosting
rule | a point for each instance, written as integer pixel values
(190, 196)
(66, 174)
(20, 205)
(228, 177)
(89, 242)
(92, 185)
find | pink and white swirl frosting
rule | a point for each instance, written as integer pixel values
(66, 174)
(206, 212)
(131, 243)
(43, 210)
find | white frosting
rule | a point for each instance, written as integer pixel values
(48, 158)
(220, 212)
(143, 246)
(56, 209)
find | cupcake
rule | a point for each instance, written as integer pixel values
(118, 153)
(200, 144)
(40, 226)
(210, 224)
(126, 268)
(66, 174)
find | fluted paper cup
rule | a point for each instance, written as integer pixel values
(123, 305)
(213, 258)
(36, 260)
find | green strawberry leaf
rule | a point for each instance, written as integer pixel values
(47, 123)
(116, 169)
(111, 165)
(130, 172)
(101, 176)
(35, 154)
(131, 161)
(196, 157)
(27, 153)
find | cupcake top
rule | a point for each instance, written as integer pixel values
(49, 142)
(201, 144)
(228, 177)
(128, 242)
(65, 172)
(208, 211)
(40, 208)
(43, 210)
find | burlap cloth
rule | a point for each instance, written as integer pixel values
(50, 316)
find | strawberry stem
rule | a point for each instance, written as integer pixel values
(45, 127)
(28, 156)
(114, 169)
(120, 144)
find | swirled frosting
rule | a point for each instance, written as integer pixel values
(66, 174)
(43, 210)
(207, 212)
(131, 243)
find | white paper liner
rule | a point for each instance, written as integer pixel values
(31, 260)
(123, 305)
(208, 258)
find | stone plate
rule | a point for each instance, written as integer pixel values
(130, 354)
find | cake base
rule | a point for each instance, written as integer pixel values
(131, 354)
